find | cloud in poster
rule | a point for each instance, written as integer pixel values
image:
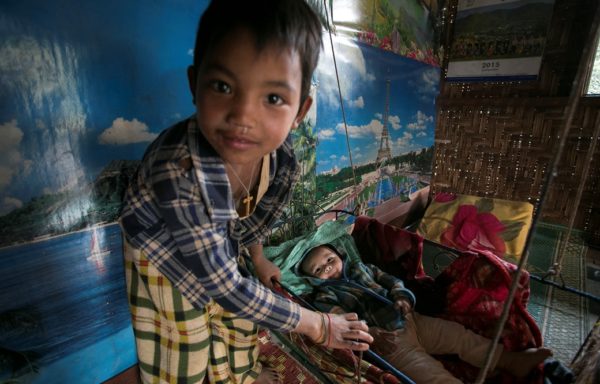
(45, 76)
(405, 141)
(12, 161)
(9, 204)
(420, 123)
(351, 63)
(427, 85)
(394, 122)
(372, 129)
(358, 103)
(123, 132)
(326, 134)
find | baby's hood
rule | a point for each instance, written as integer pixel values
(288, 254)
(315, 281)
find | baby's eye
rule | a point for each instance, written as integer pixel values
(274, 99)
(317, 272)
(220, 86)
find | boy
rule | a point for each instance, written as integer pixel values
(207, 191)
(403, 337)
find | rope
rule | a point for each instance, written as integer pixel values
(337, 76)
(588, 58)
(576, 91)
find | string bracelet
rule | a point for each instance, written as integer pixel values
(324, 335)
(328, 331)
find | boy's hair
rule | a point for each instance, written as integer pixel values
(288, 23)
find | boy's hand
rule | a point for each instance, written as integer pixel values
(266, 271)
(404, 306)
(347, 331)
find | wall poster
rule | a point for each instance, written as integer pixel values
(499, 39)
(84, 87)
(383, 152)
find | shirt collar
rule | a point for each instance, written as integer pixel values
(212, 175)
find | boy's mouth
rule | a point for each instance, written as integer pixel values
(238, 141)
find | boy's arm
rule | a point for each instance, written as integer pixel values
(394, 285)
(265, 269)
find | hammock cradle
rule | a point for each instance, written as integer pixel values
(517, 278)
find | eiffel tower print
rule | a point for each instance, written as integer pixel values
(385, 153)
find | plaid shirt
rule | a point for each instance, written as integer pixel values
(179, 211)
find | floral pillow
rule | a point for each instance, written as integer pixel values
(472, 223)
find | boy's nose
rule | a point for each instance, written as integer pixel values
(242, 111)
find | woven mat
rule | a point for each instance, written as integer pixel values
(338, 366)
(564, 317)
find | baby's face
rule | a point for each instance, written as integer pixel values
(323, 263)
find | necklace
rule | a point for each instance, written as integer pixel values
(248, 199)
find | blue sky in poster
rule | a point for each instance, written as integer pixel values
(364, 71)
(70, 71)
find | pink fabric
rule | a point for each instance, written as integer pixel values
(477, 285)
(479, 231)
(394, 250)
(473, 288)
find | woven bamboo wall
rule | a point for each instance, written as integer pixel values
(498, 139)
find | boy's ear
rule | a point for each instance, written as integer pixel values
(191, 74)
(302, 112)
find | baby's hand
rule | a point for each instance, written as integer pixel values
(404, 306)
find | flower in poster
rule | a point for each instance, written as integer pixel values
(368, 37)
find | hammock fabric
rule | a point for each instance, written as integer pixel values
(470, 291)
(477, 285)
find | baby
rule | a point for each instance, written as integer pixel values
(404, 338)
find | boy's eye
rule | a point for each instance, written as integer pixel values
(220, 86)
(274, 99)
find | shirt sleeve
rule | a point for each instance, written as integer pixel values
(196, 254)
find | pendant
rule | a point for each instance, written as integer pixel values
(247, 200)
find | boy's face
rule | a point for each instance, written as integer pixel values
(247, 100)
(323, 263)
